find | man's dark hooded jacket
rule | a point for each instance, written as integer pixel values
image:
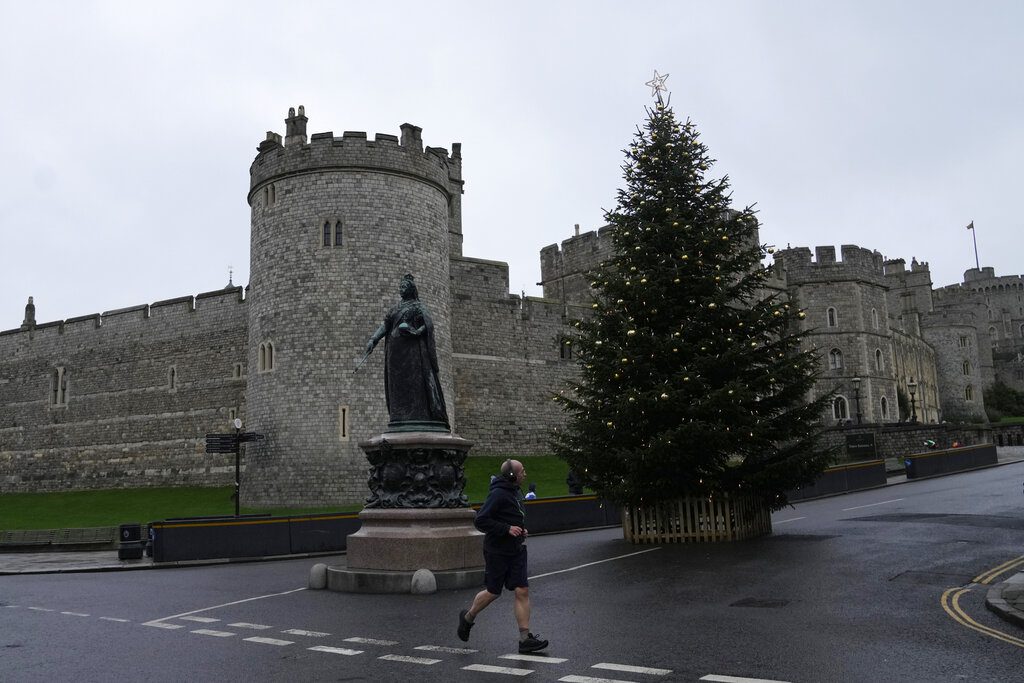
(501, 510)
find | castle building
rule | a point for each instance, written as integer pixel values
(124, 398)
(892, 347)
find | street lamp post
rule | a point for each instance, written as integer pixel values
(856, 396)
(912, 388)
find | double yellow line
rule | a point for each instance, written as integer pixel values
(951, 603)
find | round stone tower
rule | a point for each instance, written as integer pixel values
(336, 223)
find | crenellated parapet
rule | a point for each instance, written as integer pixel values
(563, 268)
(856, 263)
(180, 315)
(389, 154)
(987, 281)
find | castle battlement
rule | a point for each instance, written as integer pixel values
(986, 280)
(579, 253)
(386, 153)
(176, 315)
(857, 264)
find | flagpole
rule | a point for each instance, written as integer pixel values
(974, 235)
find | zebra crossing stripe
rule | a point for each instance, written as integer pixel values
(335, 650)
(269, 641)
(409, 660)
(626, 668)
(487, 668)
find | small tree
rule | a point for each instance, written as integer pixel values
(693, 381)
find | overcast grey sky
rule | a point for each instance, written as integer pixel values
(127, 128)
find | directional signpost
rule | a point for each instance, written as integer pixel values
(231, 443)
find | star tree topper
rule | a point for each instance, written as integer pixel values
(657, 85)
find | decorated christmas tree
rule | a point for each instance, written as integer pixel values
(693, 379)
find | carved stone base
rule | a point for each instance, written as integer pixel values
(416, 470)
(437, 539)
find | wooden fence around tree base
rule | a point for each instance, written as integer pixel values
(697, 520)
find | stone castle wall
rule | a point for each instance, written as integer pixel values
(508, 361)
(563, 268)
(123, 424)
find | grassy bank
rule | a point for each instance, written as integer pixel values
(74, 509)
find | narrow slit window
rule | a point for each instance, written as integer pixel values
(343, 427)
(883, 404)
(172, 378)
(831, 317)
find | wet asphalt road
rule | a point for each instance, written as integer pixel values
(847, 589)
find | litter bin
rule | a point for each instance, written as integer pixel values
(131, 545)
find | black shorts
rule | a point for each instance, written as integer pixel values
(505, 570)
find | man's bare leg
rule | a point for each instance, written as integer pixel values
(522, 609)
(482, 600)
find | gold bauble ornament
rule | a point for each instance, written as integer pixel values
(630, 333)
(664, 396)
(712, 305)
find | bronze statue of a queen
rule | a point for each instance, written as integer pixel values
(412, 387)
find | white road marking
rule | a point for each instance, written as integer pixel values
(794, 519)
(269, 641)
(632, 669)
(311, 634)
(734, 679)
(858, 507)
(446, 650)
(243, 624)
(371, 641)
(535, 658)
(409, 660)
(226, 604)
(12, 606)
(591, 679)
(218, 634)
(75, 614)
(122, 621)
(160, 624)
(201, 620)
(42, 609)
(487, 668)
(591, 564)
(335, 650)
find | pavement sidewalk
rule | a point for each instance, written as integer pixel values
(1005, 599)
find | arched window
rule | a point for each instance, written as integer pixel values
(883, 404)
(831, 318)
(266, 360)
(994, 333)
(565, 348)
(835, 359)
(1022, 330)
(968, 393)
(878, 359)
(966, 367)
(327, 233)
(839, 411)
(874, 318)
(337, 234)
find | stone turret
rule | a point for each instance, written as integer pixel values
(336, 223)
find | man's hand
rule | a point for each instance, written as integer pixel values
(516, 531)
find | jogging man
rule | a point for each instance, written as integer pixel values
(502, 519)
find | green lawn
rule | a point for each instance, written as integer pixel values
(75, 509)
(1011, 420)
